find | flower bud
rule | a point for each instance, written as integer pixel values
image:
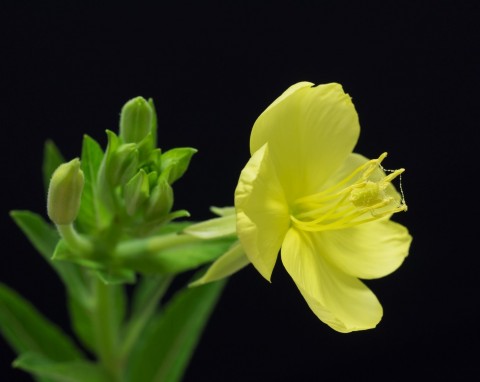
(136, 120)
(65, 193)
(161, 200)
(122, 164)
(136, 191)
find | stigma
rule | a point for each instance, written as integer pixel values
(365, 195)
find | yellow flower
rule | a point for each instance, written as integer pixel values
(327, 209)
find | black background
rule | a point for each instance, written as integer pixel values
(413, 72)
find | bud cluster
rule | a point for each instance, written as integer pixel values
(125, 191)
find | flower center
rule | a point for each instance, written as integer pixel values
(365, 195)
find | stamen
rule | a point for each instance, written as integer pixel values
(365, 200)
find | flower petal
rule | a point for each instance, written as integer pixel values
(229, 263)
(262, 212)
(339, 300)
(366, 251)
(310, 131)
(213, 228)
(223, 211)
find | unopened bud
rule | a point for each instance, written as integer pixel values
(122, 164)
(65, 193)
(136, 191)
(161, 200)
(136, 120)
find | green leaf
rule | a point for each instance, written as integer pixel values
(25, 329)
(42, 235)
(80, 317)
(44, 238)
(89, 217)
(52, 158)
(164, 351)
(146, 295)
(117, 276)
(175, 162)
(179, 258)
(147, 289)
(74, 371)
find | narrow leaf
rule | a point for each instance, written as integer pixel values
(165, 350)
(44, 238)
(25, 329)
(175, 162)
(179, 258)
(90, 209)
(74, 371)
(117, 276)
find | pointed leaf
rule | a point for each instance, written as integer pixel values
(81, 322)
(90, 210)
(117, 276)
(179, 258)
(146, 296)
(175, 162)
(74, 371)
(164, 352)
(44, 238)
(25, 329)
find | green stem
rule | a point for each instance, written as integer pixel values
(157, 288)
(74, 240)
(106, 329)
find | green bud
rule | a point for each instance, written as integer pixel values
(152, 179)
(175, 162)
(136, 120)
(65, 192)
(161, 200)
(122, 164)
(136, 191)
(154, 122)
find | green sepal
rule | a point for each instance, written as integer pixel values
(165, 349)
(175, 162)
(92, 214)
(52, 158)
(73, 371)
(26, 329)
